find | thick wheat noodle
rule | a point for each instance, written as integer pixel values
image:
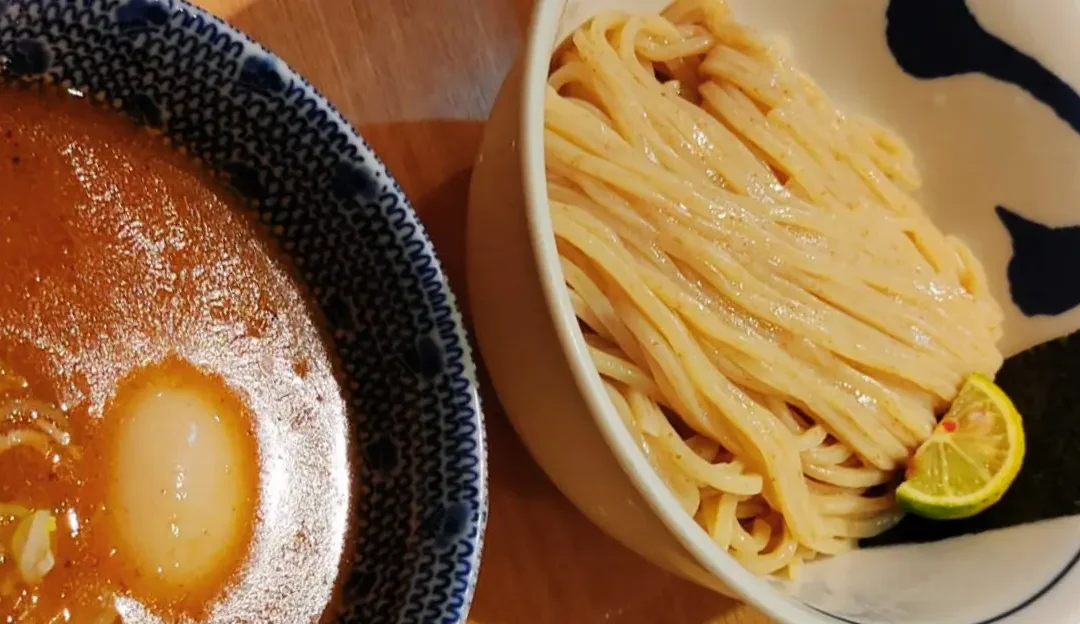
(719, 515)
(709, 450)
(831, 454)
(751, 508)
(614, 327)
(852, 505)
(773, 316)
(584, 312)
(618, 369)
(885, 445)
(721, 477)
(688, 357)
(875, 348)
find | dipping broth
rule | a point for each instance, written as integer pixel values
(173, 442)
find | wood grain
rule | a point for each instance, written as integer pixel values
(417, 77)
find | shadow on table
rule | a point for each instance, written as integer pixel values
(545, 563)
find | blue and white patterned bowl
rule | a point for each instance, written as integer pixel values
(345, 222)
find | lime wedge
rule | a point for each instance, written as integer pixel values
(970, 460)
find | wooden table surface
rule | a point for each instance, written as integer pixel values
(417, 77)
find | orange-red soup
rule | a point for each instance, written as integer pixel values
(198, 470)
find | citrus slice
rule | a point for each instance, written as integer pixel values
(970, 460)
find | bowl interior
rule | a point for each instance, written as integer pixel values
(991, 122)
(402, 354)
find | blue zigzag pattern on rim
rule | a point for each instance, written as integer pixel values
(353, 238)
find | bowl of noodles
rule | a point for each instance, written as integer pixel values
(733, 264)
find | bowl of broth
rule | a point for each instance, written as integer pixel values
(762, 256)
(234, 382)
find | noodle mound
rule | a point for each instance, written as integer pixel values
(773, 315)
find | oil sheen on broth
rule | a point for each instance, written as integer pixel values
(172, 438)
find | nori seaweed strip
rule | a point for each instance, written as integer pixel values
(1044, 383)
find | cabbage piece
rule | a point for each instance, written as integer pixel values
(9, 514)
(25, 437)
(11, 511)
(10, 381)
(31, 546)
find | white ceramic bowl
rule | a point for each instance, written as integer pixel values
(982, 143)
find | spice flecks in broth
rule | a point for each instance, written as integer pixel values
(117, 255)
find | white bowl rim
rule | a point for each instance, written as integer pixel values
(754, 589)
